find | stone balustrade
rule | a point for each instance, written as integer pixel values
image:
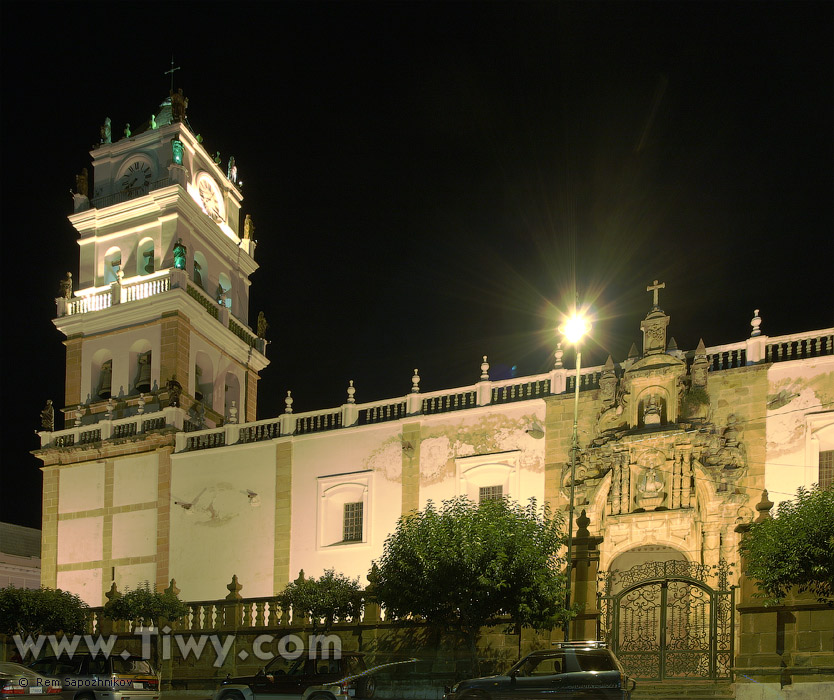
(108, 429)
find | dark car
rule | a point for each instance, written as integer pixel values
(20, 683)
(585, 670)
(289, 678)
(87, 677)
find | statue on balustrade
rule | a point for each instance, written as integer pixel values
(248, 228)
(262, 324)
(48, 417)
(179, 103)
(105, 131)
(174, 391)
(66, 286)
(82, 183)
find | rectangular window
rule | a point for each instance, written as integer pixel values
(826, 469)
(490, 493)
(352, 522)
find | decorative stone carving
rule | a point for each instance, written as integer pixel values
(48, 417)
(174, 390)
(179, 103)
(248, 227)
(652, 411)
(650, 489)
(66, 286)
(700, 366)
(608, 384)
(82, 183)
(105, 131)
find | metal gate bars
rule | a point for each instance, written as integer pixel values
(664, 620)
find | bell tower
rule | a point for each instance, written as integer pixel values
(160, 313)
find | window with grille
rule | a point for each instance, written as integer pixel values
(352, 522)
(490, 493)
(826, 479)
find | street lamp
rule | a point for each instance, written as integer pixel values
(573, 329)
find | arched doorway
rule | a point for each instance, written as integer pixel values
(669, 618)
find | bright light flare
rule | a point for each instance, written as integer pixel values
(575, 328)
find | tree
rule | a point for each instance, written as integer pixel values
(39, 611)
(146, 605)
(795, 548)
(463, 564)
(329, 597)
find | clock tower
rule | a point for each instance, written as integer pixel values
(161, 304)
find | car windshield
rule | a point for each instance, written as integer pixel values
(565, 661)
(131, 665)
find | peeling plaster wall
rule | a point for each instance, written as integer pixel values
(798, 391)
(490, 430)
(224, 532)
(376, 452)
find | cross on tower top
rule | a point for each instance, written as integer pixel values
(655, 288)
(172, 73)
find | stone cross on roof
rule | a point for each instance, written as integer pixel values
(655, 288)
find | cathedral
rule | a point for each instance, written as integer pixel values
(161, 470)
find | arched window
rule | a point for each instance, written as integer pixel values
(204, 380)
(101, 376)
(141, 375)
(145, 263)
(112, 265)
(224, 291)
(232, 393)
(200, 270)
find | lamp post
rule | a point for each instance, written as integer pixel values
(573, 329)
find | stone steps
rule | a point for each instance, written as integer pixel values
(676, 690)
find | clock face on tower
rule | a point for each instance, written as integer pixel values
(210, 196)
(138, 174)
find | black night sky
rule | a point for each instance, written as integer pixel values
(429, 179)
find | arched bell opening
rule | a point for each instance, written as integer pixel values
(141, 377)
(101, 375)
(224, 290)
(145, 262)
(112, 265)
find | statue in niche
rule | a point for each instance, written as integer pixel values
(248, 228)
(82, 185)
(149, 267)
(48, 417)
(650, 493)
(174, 390)
(105, 380)
(105, 131)
(198, 278)
(179, 103)
(66, 286)
(179, 255)
(651, 411)
(262, 325)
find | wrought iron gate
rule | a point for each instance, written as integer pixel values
(664, 620)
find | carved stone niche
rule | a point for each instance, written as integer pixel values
(649, 480)
(653, 384)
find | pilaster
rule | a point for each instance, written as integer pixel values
(411, 468)
(107, 529)
(283, 515)
(72, 382)
(163, 516)
(49, 528)
(175, 349)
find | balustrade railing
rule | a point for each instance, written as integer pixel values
(206, 440)
(90, 302)
(260, 431)
(204, 300)
(318, 422)
(529, 388)
(588, 379)
(800, 346)
(145, 289)
(449, 402)
(109, 200)
(380, 413)
(243, 333)
(727, 356)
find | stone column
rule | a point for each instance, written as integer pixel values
(584, 569)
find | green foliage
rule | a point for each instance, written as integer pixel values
(693, 399)
(144, 603)
(463, 564)
(41, 611)
(329, 597)
(796, 548)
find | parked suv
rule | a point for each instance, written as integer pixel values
(85, 677)
(289, 678)
(570, 670)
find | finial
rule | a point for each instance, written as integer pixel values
(154, 126)
(350, 392)
(559, 353)
(485, 368)
(233, 413)
(113, 593)
(234, 589)
(764, 506)
(415, 381)
(582, 523)
(127, 130)
(632, 352)
(288, 403)
(110, 407)
(756, 322)
(172, 588)
(141, 408)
